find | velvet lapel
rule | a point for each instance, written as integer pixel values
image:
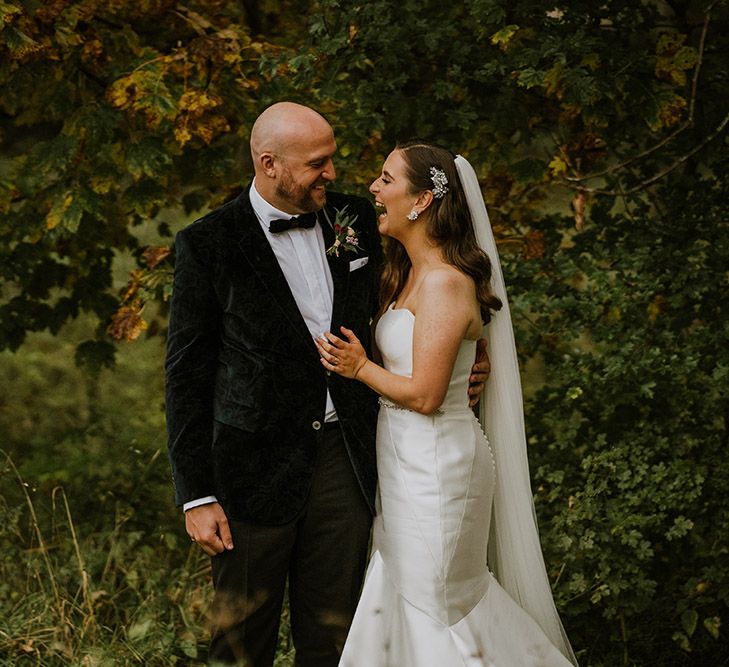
(339, 267)
(257, 250)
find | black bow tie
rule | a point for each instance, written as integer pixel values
(305, 221)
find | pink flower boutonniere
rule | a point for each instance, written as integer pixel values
(345, 236)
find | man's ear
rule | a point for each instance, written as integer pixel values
(267, 162)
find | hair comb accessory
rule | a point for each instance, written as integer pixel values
(440, 182)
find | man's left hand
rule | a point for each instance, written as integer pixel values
(479, 373)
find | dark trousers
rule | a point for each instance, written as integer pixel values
(323, 553)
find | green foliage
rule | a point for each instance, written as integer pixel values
(111, 112)
(119, 113)
(629, 430)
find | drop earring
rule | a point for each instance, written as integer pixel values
(413, 215)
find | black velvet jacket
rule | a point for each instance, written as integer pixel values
(245, 390)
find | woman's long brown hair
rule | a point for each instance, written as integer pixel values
(448, 224)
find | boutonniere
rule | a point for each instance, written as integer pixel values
(345, 236)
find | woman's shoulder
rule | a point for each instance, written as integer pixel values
(448, 279)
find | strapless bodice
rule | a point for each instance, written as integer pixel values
(394, 336)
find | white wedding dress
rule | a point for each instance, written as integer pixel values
(429, 599)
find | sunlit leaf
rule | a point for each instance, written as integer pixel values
(503, 36)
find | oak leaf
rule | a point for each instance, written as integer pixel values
(154, 255)
(127, 323)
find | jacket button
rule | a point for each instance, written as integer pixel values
(316, 425)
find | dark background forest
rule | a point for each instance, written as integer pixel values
(599, 131)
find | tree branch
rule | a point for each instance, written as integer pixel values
(682, 128)
(656, 177)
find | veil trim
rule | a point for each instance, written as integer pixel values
(515, 554)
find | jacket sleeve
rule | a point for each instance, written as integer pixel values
(190, 368)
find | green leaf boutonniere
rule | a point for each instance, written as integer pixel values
(345, 236)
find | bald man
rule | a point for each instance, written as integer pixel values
(273, 459)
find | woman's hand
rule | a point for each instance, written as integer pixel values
(344, 357)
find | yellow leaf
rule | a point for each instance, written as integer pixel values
(673, 59)
(58, 210)
(686, 57)
(54, 217)
(553, 80)
(671, 111)
(182, 134)
(712, 625)
(66, 211)
(656, 307)
(207, 127)
(197, 102)
(101, 185)
(557, 166)
(121, 92)
(670, 43)
(8, 12)
(503, 36)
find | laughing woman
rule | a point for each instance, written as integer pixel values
(456, 575)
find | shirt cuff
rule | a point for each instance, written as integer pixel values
(199, 501)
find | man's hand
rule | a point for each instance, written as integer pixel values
(208, 526)
(479, 373)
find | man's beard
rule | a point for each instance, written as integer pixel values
(297, 195)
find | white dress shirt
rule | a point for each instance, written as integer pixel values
(302, 258)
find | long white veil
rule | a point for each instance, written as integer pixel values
(515, 555)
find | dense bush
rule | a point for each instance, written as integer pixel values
(629, 428)
(614, 112)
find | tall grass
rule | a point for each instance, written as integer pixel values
(112, 597)
(95, 565)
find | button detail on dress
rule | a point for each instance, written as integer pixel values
(316, 424)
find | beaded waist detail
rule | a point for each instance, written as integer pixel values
(385, 403)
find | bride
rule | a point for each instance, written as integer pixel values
(456, 575)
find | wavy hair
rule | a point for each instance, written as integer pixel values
(448, 225)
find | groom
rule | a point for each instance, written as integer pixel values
(273, 459)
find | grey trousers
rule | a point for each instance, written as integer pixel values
(323, 553)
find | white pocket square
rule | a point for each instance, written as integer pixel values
(358, 263)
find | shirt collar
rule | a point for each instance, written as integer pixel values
(265, 211)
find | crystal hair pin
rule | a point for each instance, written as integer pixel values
(440, 182)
